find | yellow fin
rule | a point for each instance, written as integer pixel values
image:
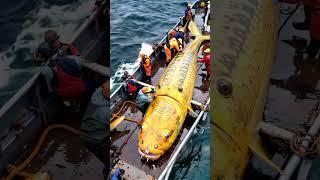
(258, 150)
(116, 122)
(194, 29)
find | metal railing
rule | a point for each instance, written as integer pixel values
(166, 172)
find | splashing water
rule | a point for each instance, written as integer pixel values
(15, 60)
(116, 79)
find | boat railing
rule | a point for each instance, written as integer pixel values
(294, 161)
(166, 172)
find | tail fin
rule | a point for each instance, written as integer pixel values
(116, 122)
(259, 151)
(194, 29)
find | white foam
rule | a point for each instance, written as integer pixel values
(63, 19)
(130, 67)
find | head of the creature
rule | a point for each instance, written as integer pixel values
(160, 128)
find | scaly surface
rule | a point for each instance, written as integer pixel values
(245, 39)
(166, 114)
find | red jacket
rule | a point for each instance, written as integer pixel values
(131, 88)
(206, 61)
(73, 49)
(67, 85)
(315, 15)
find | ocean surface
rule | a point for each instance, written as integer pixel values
(22, 24)
(138, 23)
(135, 22)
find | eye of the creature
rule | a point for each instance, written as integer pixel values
(155, 146)
(166, 133)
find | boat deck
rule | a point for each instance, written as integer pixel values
(293, 95)
(124, 138)
(63, 156)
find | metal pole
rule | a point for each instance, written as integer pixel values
(144, 84)
(102, 70)
(275, 131)
(295, 159)
(196, 103)
(183, 143)
(168, 173)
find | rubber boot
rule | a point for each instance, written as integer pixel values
(313, 48)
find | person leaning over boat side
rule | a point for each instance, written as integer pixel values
(172, 33)
(313, 21)
(94, 130)
(144, 97)
(52, 38)
(63, 77)
(67, 80)
(131, 87)
(187, 15)
(146, 63)
(52, 45)
(180, 35)
(170, 49)
(43, 53)
(63, 74)
(206, 61)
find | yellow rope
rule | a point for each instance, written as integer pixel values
(17, 170)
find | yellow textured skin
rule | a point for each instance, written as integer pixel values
(167, 112)
(245, 42)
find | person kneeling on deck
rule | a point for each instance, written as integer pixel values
(146, 63)
(94, 130)
(170, 48)
(144, 97)
(130, 85)
(206, 61)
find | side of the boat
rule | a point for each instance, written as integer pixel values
(21, 118)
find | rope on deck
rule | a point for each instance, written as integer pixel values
(17, 170)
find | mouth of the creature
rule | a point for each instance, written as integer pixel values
(147, 155)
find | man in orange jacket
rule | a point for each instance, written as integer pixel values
(170, 48)
(146, 63)
(312, 22)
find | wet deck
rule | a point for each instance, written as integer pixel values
(293, 91)
(125, 138)
(63, 156)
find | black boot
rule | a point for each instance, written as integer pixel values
(313, 48)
